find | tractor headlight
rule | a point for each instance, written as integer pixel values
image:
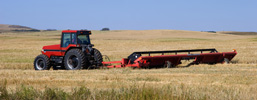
(43, 50)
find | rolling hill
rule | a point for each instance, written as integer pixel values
(15, 28)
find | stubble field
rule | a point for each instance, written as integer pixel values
(237, 80)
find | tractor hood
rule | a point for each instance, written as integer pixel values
(52, 47)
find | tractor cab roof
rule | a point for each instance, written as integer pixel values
(79, 32)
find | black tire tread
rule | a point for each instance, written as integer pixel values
(47, 61)
(98, 57)
(80, 53)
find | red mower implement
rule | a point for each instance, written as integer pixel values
(168, 59)
(76, 52)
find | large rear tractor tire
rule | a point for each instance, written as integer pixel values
(42, 62)
(98, 58)
(74, 59)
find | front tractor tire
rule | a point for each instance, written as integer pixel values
(42, 62)
(74, 59)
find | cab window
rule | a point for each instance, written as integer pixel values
(73, 38)
(66, 39)
(83, 39)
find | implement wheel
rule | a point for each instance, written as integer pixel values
(168, 64)
(74, 59)
(41, 62)
(225, 61)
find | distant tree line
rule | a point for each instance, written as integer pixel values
(209, 31)
(31, 30)
(50, 30)
(105, 29)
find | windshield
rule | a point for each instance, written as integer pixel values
(83, 39)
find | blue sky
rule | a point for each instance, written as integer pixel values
(196, 15)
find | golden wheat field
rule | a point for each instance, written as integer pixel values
(237, 80)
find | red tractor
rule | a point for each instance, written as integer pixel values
(74, 52)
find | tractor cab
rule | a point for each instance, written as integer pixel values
(75, 37)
